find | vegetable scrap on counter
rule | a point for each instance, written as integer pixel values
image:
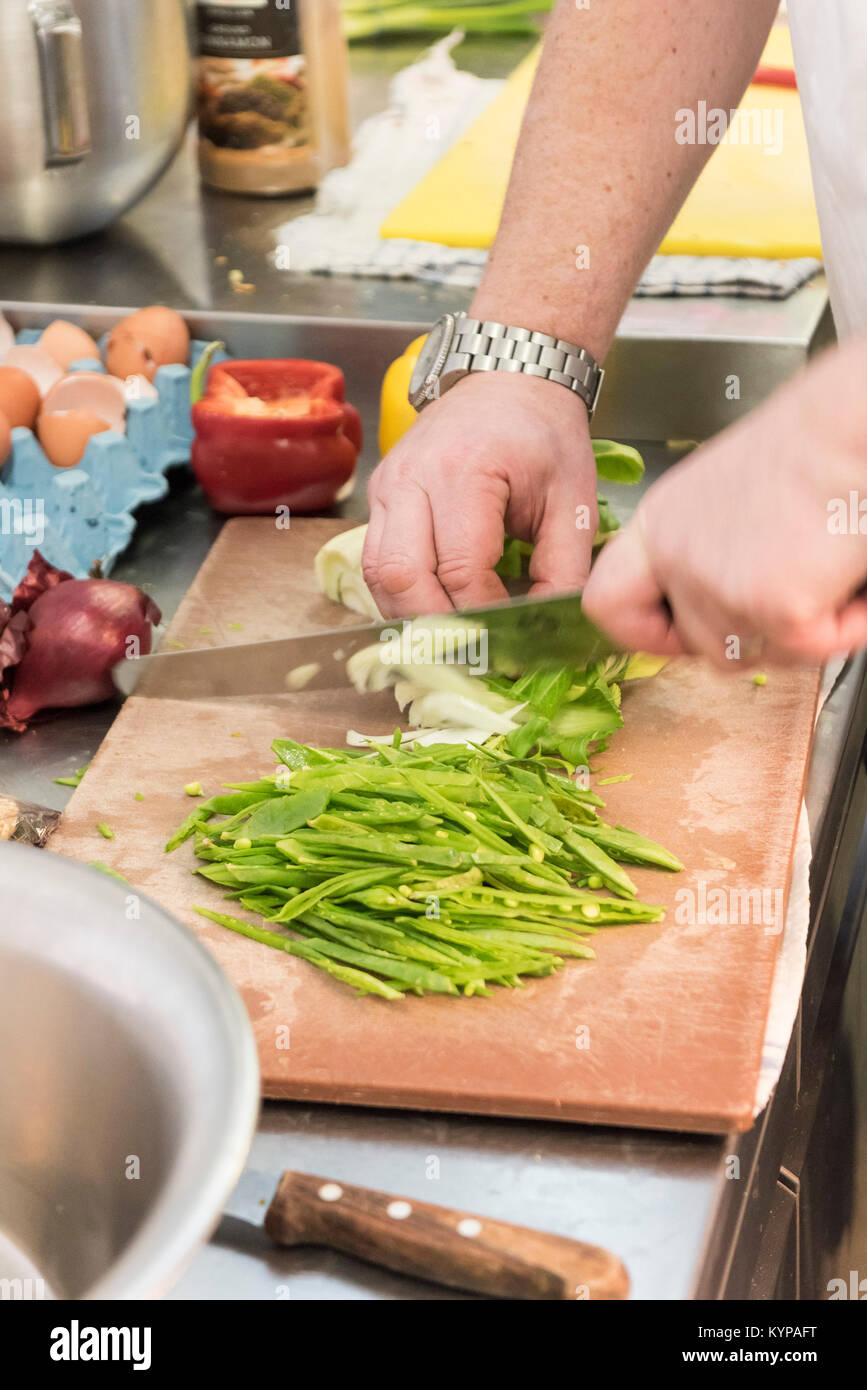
(74, 780)
(107, 869)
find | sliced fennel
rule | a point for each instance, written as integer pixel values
(338, 572)
(567, 713)
(437, 694)
(641, 665)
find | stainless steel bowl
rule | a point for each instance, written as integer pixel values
(129, 1085)
(95, 98)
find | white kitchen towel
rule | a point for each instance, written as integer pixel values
(430, 105)
(792, 958)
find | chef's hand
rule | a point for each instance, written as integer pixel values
(498, 453)
(752, 537)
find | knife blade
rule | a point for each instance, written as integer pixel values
(517, 634)
(431, 1242)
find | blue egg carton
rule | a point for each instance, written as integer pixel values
(84, 516)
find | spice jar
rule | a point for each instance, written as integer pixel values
(271, 86)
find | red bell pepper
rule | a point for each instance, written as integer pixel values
(272, 433)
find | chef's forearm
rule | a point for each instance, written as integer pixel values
(599, 174)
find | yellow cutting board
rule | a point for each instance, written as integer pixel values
(746, 202)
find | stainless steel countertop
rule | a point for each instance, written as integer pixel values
(661, 1201)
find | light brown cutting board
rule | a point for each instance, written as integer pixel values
(663, 1029)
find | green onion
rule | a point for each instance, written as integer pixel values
(365, 19)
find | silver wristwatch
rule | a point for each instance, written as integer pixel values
(457, 345)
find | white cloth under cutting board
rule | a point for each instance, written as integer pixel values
(830, 43)
(792, 959)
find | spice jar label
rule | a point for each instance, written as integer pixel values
(257, 29)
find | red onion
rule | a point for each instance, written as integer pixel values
(13, 637)
(40, 576)
(79, 629)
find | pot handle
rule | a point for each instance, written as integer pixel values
(59, 44)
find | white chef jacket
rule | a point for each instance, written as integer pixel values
(830, 43)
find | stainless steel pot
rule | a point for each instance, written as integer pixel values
(129, 1087)
(94, 99)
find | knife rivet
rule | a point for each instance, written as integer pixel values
(399, 1211)
(469, 1227)
(331, 1192)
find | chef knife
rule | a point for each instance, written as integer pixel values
(517, 634)
(430, 1242)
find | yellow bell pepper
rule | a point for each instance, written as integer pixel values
(395, 412)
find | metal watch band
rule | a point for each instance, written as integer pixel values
(483, 346)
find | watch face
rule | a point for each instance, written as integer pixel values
(422, 386)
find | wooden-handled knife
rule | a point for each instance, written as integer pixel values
(430, 1242)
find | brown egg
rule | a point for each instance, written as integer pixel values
(64, 435)
(5, 439)
(163, 333)
(19, 397)
(148, 339)
(67, 343)
(125, 356)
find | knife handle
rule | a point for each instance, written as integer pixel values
(432, 1242)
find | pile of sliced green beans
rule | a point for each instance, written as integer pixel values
(445, 869)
